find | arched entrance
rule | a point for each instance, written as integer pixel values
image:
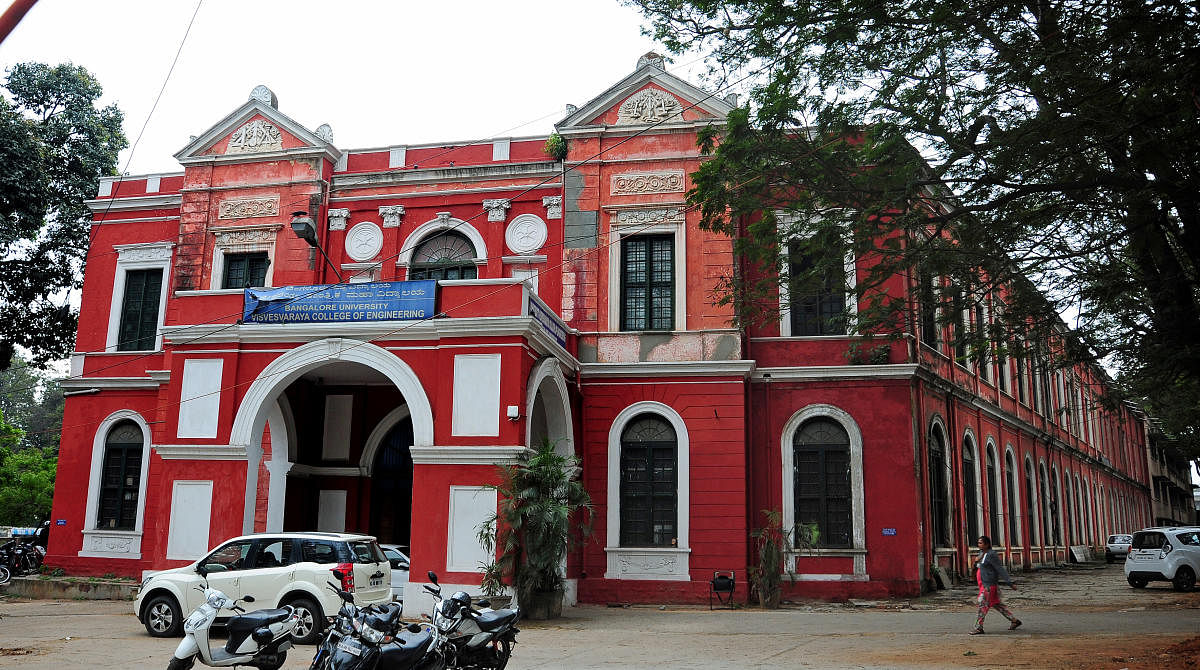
(548, 407)
(347, 382)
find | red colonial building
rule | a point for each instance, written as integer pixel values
(562, 297)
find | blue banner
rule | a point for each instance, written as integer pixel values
(329, 303)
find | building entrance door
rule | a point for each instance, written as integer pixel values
(391, 487)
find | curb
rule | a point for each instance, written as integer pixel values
(61, 588)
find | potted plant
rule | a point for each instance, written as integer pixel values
(774, 550)
(541, 502)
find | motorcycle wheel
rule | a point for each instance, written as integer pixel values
(182, 663)
(5, 575)
(501, 650)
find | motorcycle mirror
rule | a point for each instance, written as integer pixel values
(248, 599)
(484, 603)
(432, 576)
(346, 595)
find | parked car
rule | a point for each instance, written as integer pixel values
(1117, 546)
(277, 569)
(1164, 555)
(398, 558)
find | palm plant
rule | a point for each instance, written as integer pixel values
(532, 526)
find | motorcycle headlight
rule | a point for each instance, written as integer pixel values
(372, 635)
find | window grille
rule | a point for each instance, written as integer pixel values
(139, 310)
(648, 483)
(120, 477)
(648, 282)
(821, 481)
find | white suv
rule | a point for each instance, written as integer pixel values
(277, 569)
(1164, 555)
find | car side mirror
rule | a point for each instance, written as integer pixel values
(247, 599)
(202, 571)
(399, 564)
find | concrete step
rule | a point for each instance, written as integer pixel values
(69, 588)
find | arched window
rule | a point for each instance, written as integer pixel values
(445, 255)
(939, 506)
(1030, 504)
(994, 497)
(1055, 511)
(649, 505)
(821, 480)
(1072, 526)
(1010, 489)
(971, 491)
(120, 477)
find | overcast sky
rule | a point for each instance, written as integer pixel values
(379, 72)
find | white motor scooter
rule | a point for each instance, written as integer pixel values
(259, 639)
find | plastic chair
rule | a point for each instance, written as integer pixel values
(722, 586)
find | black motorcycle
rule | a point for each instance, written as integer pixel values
(374, 637)
(21, 558)
(475, 639)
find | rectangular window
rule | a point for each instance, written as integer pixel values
(245, 270)
(648, 494)
(139, 310)
(648, 282)
(928, 308)
(1020, 380)
(819, 309)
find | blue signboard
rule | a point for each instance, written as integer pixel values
(889, 531)
(330, 303)
(549, 321)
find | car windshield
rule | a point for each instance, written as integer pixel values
(1189, 538)
(1119, 539)
(366, 552)
(1148, 540)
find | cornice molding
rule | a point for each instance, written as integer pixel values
(444, 174)
(132, 203)
(200, 452)
(302, 470)
(81, 383)
(467, 455)
(819, 372)
(737, 368)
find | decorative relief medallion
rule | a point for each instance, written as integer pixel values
(636, 183)
(526, 234)
(497, 209)
(364, 241)
(553, 205)
(649, 106)
(264, 95)
(245, 208)
(392, 215)
(644, 217)
(111, 544)
(254, 137)
(325, 132)
(338, 218)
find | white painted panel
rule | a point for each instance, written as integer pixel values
(396, 157)
(530, 276)
(191, 511)
(331, 512)
(470, 506)
(335, 443)
(476, 395)
(152, 184)
(200, 399)
(500, 150)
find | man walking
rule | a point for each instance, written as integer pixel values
(990, 573)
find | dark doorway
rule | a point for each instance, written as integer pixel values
(391, 487)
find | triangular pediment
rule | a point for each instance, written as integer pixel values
(650, 95)
(256, 129)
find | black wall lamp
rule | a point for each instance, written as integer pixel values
(302, 226)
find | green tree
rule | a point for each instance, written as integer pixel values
(55, 144)
(1050, 147)
(26, 480)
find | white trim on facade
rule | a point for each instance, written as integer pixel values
(678, 229)
(100, 542)
(817, 372)
(739, 368)
(467, 455)
(642, 563)
(858, 549)
(142, 256)
(200, 452)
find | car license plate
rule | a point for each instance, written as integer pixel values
(377, 581)
(349, 648)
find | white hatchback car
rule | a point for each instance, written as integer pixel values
(1164, 555)
(399, 560)
(277, 569)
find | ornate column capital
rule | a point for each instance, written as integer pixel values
(553, 205)
(497, 209)
(338, 218)
(392, 215)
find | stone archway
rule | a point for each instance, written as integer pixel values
(260, 401)
(548, 408)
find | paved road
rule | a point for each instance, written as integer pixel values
(1072, 619)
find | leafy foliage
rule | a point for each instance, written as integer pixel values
(54, 147)
(543, 509)
(26, 480)
(32, 401)
(1050, 149)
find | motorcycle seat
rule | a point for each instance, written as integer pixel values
(250, 620)
(404, 648)
(490, 621)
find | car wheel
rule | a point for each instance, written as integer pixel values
(163, 618)
(308, 628)
(1185, 579)
(1137, 582)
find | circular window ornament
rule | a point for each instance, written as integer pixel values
(364, 241)
(526, 234)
